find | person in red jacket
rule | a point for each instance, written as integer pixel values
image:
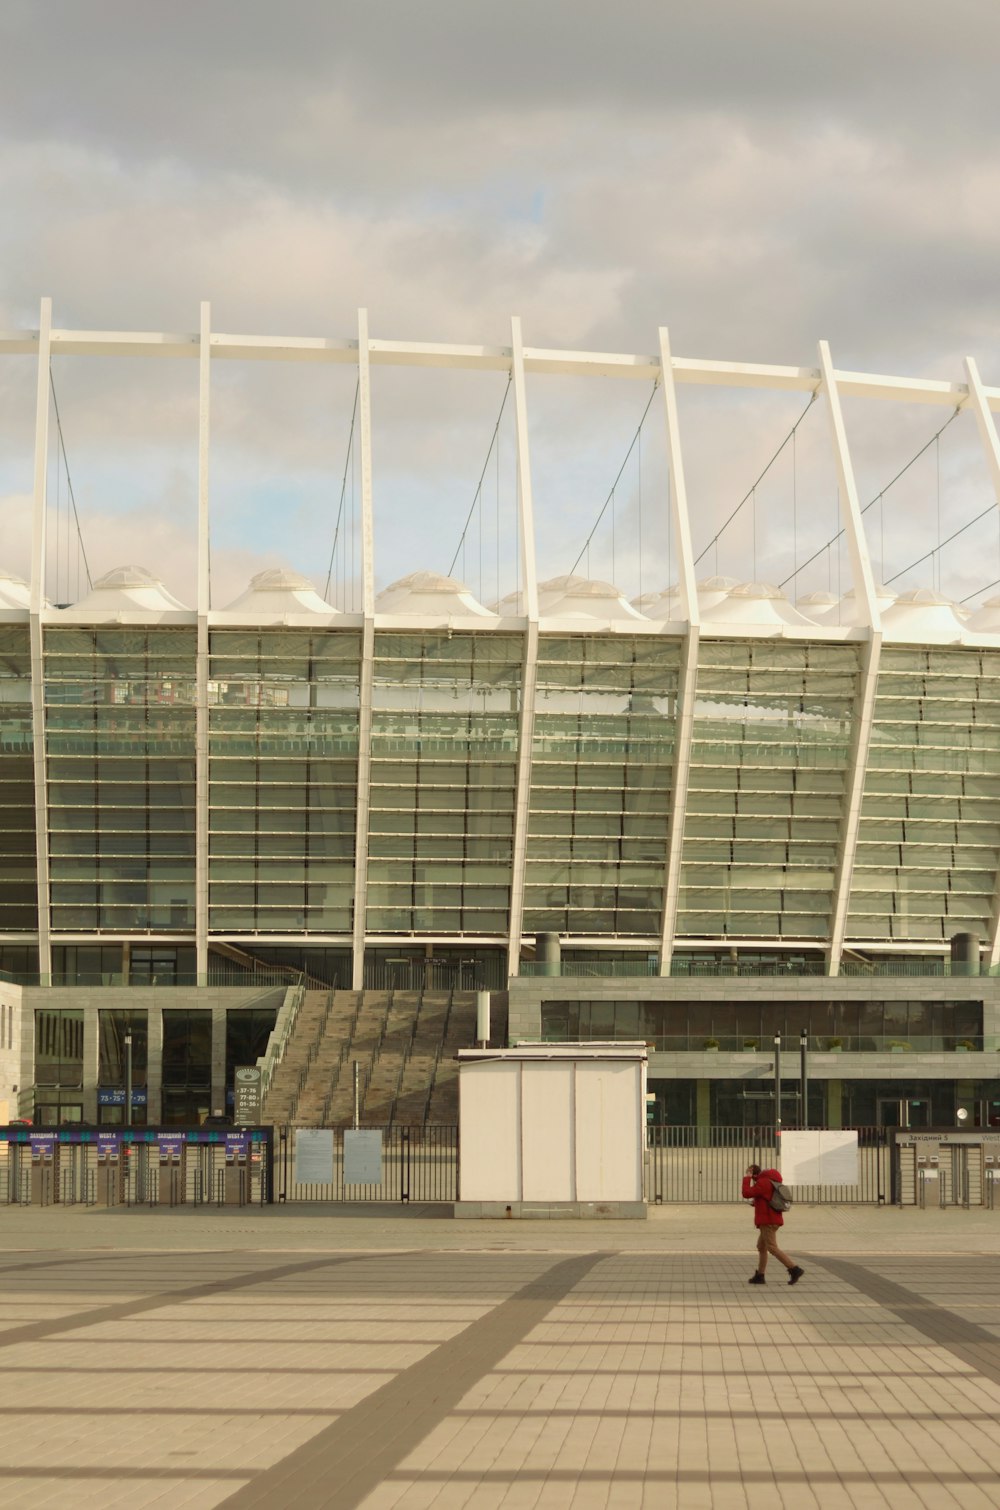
(758, 1185)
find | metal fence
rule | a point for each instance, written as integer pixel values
(419, 1164)
(706, 1165)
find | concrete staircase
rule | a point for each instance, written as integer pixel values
(404, 1042)
(283, 1094)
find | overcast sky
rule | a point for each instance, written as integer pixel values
(756, 176)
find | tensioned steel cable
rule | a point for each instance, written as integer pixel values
(880, 494)
(941, 545)
(479, 485)
(756, 484)
(343, 487)
(69, 480)
(614, 485)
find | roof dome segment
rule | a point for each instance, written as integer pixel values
(14, 591)
(427, 592)
(821, 607)
(757, 603)
(279, 591)
(850, 613)
(129, 589)
(922, 611)
(985, 618)
(660, 605)
(714, 590)
(554, 588)
(592, 600)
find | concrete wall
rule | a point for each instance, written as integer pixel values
(218, 1000)
(527, 993)
(10, 1049)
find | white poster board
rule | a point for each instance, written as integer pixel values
(819, 1158)
(363, 1156)
(314, 1156)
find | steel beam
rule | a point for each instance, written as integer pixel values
(367, 670)
(39, 521)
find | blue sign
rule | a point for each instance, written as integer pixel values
(107, 1096)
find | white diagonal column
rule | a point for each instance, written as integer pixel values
(204, 590)
(367, 674)
(979, 403)
(39, 521)
(529, 674)
(864, 708)
(687, 688)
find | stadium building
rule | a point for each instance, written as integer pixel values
(702, 818)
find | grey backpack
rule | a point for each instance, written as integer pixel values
(781, 1197)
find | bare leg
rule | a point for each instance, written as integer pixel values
(761, 1251)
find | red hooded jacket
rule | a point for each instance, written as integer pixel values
(759, 1191)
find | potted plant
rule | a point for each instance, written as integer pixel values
(751, 1045)
(834, 1045)
(711, 1045)
(899, 1046)
(965, 1046)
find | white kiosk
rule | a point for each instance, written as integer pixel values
(552, 1130)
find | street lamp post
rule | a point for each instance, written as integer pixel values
(128, 1079)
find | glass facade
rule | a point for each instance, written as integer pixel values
(283, 747)
(119, 721)
(763, 825)
(769, 766)
(187, 1066)
(18, 891)
(929, 838)
(859, 1026)
(602, 774)
(444, 762)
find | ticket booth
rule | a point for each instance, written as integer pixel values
(110, 1189)
(44, 1168)
(171, 1158)
(236, 1175)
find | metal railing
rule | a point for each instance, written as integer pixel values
(816, 1043)
(753, 969)
(706, 1165)
(281, 1034)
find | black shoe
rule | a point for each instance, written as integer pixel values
(758, 1279)
(795, 1274)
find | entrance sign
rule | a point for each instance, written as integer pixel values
(819, 1158)
(363, 1157)
(314, 1156)
(246, 1095)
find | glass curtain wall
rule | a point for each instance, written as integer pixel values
(765, 805)
(119, 717)
(929, 837)
(283, 764)
(18, 893)
(444, 762)
(602, 775)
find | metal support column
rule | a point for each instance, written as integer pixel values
(529, 673)
(864, 591)
(201, 662)
(39, 522)
(688, 685)
(367, 672)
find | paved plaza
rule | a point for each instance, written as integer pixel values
(340, 1357)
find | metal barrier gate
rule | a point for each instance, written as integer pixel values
(940, 1168)
(705, 1165)
(136, 1166)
